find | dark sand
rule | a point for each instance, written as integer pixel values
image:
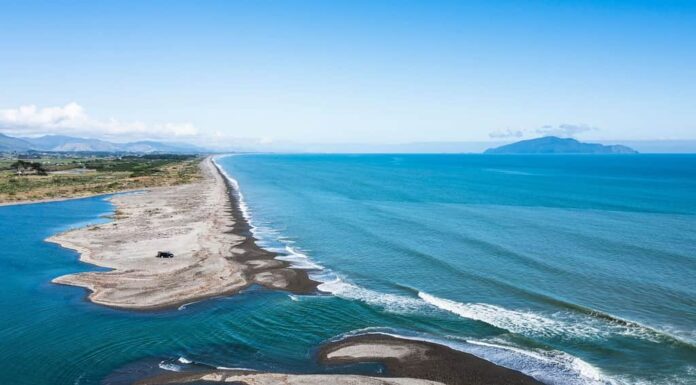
(298, 280)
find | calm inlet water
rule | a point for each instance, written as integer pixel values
(573, 269)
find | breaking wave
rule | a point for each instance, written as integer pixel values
(390, 302)
(170, 367)
(267, 237)
(559, 324)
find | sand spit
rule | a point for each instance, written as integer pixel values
(199, 222)
(405, 361)
(420, 359)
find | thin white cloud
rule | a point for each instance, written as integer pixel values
(507, 133)
(565, 129)
(72, 119)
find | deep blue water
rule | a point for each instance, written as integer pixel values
(574, 269)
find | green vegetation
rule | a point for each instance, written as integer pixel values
(57, 177)
(22, 167)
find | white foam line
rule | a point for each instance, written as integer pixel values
(169, 367)
(559, 324)
(555, 358)
(391, 302)
(296, 258)
(184, 360)
(226, 368)
(240, 197)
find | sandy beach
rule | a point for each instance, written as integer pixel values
(214, 253)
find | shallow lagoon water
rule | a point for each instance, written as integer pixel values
(575, 269)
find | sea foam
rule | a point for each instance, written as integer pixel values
(293, 255)
(390, 302)
(170, 367)
(532, 324)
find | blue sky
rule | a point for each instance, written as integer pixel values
(349, 71)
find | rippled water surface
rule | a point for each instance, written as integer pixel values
(574, 269)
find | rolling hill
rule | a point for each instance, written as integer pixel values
(62, 143)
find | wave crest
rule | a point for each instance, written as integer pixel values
(528, 323)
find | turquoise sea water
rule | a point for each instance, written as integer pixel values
(574, 269)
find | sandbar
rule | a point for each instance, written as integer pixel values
(405, 362)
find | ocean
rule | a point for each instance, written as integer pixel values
(575, 269)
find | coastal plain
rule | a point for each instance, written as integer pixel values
(58, 177)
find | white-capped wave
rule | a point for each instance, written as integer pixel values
(557, 367)
(528, 323)
(298, 259)
(391, 302)
(548, 366)
(169, 366)
(184, 360)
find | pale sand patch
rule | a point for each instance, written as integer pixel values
(192, 221)
(377, 350)
(257, 264)
(312, 379)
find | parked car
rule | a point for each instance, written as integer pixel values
(165, 254)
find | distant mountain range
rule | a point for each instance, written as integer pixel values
(556, 145)
(61, 143)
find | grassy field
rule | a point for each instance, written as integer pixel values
(76, 177)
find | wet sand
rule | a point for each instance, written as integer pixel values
(201, 224)
(406, 362)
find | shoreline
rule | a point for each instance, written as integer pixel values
(62, 199)
(215, 254)
(298, 279)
